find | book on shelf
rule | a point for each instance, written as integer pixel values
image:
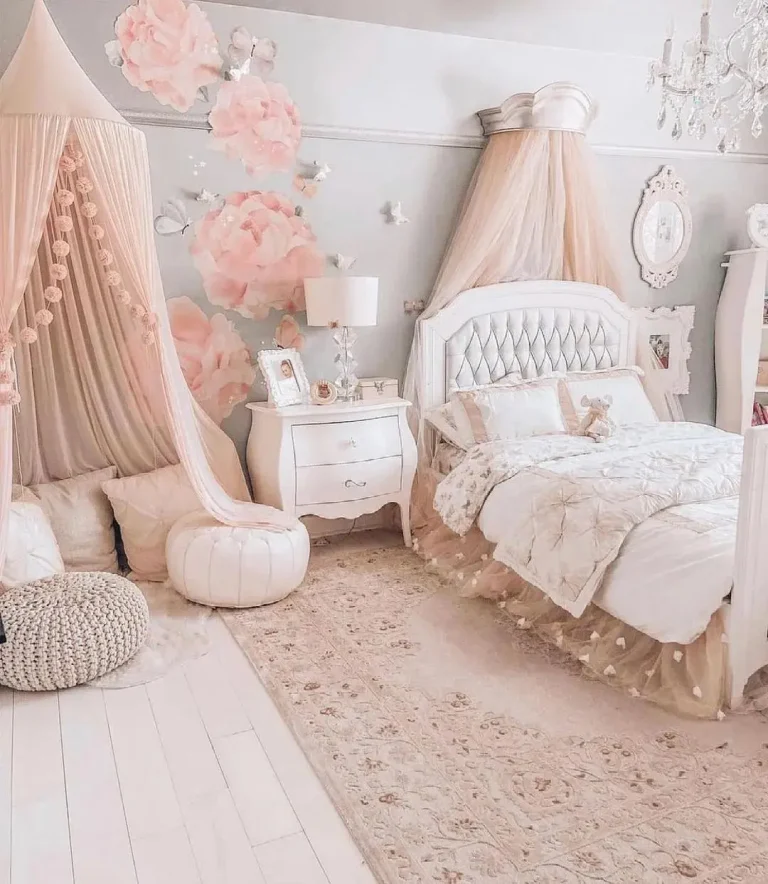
(759, 414)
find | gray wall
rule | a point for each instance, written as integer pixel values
(366, 91)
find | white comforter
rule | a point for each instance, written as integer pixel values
(580, 519)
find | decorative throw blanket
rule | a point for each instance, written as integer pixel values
(577, 502)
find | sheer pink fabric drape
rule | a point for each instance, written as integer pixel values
(531, 212)
(131, 404)
(26, 143)
(118, 157)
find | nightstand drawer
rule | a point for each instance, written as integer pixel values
(346, 441)
(354, 481)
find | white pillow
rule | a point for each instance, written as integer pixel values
(517, 411)
(630, 403)
(146, 507)
(441, 417)
(82, 520)
(32, 552)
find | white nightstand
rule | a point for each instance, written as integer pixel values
(335, 461)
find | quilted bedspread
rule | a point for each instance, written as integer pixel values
(576, 501)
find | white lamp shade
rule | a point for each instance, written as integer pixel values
(342, 300)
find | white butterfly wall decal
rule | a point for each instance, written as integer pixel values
(343, 262)
(114, 54)
(206, 196)
(247, 53)
(173, 218)
(320, 171)
(394, 213)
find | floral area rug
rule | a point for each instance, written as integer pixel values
(459, 751)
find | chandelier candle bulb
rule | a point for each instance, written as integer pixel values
(704, 31)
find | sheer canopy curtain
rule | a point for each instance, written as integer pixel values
(531, 212)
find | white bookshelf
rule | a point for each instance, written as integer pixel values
(741, 338)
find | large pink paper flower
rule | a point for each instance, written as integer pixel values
(256, 122)
(254, 252)
(287, 334)
(214, 358)
(168, 49)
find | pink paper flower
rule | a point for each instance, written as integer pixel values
(287, 334)
(169, 49)
(254, 252)
(214, 358)
(255, 121)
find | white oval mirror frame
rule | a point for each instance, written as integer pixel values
(662, 230)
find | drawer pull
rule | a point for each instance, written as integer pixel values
(350, 482)
(352, 443)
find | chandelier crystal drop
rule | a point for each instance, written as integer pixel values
(716, 84)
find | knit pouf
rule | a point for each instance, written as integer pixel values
(68, 629)
(227, 567)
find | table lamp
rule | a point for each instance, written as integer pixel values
(343, 303)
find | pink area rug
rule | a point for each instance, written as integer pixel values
(461, 750)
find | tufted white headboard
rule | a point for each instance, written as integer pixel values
(529, 327)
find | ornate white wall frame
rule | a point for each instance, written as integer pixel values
(668, 330)
(661, 233)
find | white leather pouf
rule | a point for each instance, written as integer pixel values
(226, 567)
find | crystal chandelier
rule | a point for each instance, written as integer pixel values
(717, 82)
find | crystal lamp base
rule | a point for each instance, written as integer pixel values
(347, 381)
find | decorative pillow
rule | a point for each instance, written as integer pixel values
(516, 411)
(441, 417)
(630, 402)
(32, 552)
(82, 520)
(146, 507)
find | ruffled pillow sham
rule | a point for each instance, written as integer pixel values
(514, 411)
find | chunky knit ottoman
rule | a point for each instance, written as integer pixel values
(226, 567)
(68, 629)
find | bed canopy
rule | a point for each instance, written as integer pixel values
(532, 211)
(89, 376)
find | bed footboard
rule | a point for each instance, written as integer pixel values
(748, 618)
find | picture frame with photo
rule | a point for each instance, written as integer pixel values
(667, 330)
(285, 377)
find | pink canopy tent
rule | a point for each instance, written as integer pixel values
(89, 376)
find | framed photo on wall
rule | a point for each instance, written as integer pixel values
(667, 331)
(285, 377)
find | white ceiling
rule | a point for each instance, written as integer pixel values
(624, 26)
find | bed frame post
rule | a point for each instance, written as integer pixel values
(748, 615)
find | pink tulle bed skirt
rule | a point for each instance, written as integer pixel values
(689, 679)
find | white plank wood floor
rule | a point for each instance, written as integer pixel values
(191, 779)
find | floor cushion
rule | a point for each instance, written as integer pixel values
(82, 520)
(146, 506)
(227, 567)
(31, 550)
(68, 629)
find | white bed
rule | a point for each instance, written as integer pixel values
(668, 579)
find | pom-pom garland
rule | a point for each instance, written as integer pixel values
(90, 210)
(27, 335)
(59, 272)
(60, 248)
(63, 223)
(43, 317)
(53, 294)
